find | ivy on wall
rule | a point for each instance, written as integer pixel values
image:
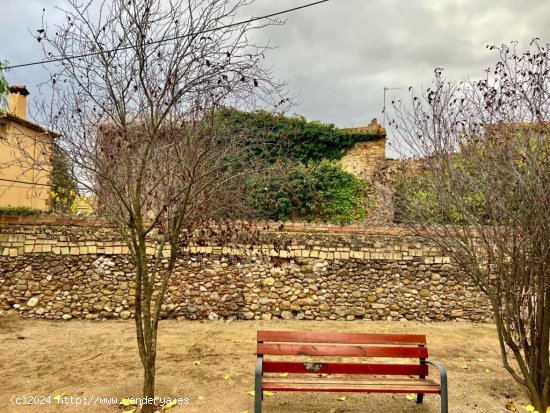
(314, 192)
(305, 183)
(293, 137)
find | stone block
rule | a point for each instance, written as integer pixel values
(286, 315)
(357, 254)
(342, 311)
(269, 281)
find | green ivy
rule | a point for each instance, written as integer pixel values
(292, 137)
(314, 192)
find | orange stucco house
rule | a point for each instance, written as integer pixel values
(25, 156)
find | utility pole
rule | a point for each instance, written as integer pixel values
(385, 90)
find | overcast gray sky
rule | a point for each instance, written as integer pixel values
(339, 55)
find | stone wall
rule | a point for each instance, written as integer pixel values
(367, 160)
(78, 269)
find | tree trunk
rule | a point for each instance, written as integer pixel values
(538, 403)
(542, 401)
(149, 385)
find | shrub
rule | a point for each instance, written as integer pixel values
(20, 210)
(64, 190)
(321, 192)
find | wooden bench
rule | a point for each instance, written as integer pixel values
(314, 374)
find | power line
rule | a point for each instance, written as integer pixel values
(251, 20)
(16, 181)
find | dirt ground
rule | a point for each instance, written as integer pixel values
(92, 360)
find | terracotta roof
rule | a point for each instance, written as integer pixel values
(33, 126)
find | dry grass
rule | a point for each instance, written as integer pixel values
(89, 359)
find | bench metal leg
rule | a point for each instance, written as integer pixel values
(257, 403)
(444, 397)
(419, 398)
(258, 393)
(443, 384)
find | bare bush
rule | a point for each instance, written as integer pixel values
(480, 187)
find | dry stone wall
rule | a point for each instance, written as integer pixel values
(71, 269)
(367, 160)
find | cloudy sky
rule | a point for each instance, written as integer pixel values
(340, 55)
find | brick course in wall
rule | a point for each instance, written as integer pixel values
(69, 269)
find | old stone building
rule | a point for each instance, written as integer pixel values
(367, 160)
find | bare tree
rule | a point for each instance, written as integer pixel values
(481, 190)
(136, 111)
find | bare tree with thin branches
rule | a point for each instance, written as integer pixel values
(136, 112)
(481, 190)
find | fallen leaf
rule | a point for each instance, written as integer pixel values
(197, 362)
(201, 398)
(487, 371)
(59, 396)
(283, 374)
(342, 399)
(127, 402)
(129, 411)
(226, 377)
(251, 392)
(511, 407)
(480, 360)
(169, 405)
(465, 367)
(410, 396)
(529, 408)
(268, 393)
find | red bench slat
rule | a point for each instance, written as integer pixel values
(347, 338)
(345, 368)
(341, 351)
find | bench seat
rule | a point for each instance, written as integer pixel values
(331, 383)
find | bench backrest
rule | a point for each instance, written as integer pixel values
(352, 345)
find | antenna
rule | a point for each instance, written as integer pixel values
(384, 110)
